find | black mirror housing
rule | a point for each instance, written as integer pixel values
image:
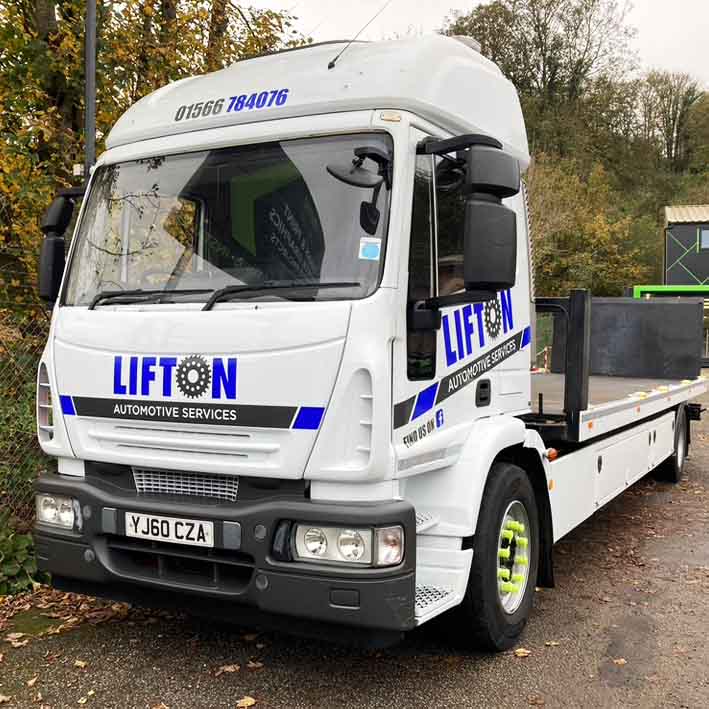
(51, 267)
(57, 218)
(491, 171)
(490, 259)
(490, 251)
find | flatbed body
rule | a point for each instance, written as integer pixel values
(614, 402)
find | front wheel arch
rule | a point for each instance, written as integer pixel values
(528, 459)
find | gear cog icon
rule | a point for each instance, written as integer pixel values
(493, 318)
(193, 376)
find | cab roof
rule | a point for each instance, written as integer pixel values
(442, 79)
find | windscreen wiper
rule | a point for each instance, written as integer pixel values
(255, 289)
(139, 295)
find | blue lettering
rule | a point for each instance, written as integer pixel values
(224, 379)
(468, 327)
(118, 386)
(167, 364)
(450, 354)
(506, 302)
(459, 334)
(478, 308)
(133, 376)
(147, 375)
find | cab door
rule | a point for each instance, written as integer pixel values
(475, 360)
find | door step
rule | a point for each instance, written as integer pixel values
(430, 599)
(424, 521)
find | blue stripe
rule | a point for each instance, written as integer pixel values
(67, 405)
(425, 400)
(526, 336)
(309, 417)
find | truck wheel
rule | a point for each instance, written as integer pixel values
(671, 469)
(503, 573)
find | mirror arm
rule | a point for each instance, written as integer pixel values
(426, 314)
(431, 146)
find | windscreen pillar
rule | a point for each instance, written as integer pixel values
(578, 358)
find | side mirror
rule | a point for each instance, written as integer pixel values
(52, 255)
(490, 250)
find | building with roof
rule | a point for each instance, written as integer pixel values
(686, 245)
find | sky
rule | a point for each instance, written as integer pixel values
(671, 34)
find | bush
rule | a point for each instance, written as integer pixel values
(18, 566)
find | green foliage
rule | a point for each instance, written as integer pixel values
(18, 566)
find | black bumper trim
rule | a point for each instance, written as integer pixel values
(280, 589)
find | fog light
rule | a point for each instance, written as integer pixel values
(390, 546)
(350, 544)
(315, 541)
(55, 510)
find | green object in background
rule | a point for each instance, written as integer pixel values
(669, 291)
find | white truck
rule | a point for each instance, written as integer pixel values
(288, 372)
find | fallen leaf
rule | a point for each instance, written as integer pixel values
(14, 636)
(535, 700)
(160, 706)
(551, 643)
(91, 692)
(80, 663)
(33, 681)
(227, 668)
(620, 661)
(2, 657)
(20, 643)
(522, 652)
(4, 699)
(254, 665)
(83, 700)
(245, 702)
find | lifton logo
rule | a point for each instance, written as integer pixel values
(192, 376)
(488, 320)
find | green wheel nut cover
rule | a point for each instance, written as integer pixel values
(521, 560)
(509, 587)
(503, 574)
(517, 578)
(504, 553)
(508, 534)
(522, 542)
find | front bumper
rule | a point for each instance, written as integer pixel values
(111, 564)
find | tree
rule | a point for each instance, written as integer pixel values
(142, 44)
(671, 97)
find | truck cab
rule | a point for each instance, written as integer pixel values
(290, 343)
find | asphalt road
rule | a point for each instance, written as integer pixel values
(626, 626)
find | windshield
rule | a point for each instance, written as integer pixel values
(301, 211)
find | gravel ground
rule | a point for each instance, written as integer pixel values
(626, 626)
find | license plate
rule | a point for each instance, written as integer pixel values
(170, 529)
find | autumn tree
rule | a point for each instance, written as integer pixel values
(142, 44)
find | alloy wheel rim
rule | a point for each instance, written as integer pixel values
(513, 554)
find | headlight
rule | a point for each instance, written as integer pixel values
(333, 544)
(55, 510)
(351, 545)
(366, 546)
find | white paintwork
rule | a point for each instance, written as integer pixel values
(349, 357)
(435, 77)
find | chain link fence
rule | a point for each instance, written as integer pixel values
(24, 323)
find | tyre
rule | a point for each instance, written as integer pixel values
(671, 469)
(503, 573)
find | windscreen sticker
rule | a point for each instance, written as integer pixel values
(370, 249)
(232, 104)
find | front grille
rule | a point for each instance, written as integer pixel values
(175, 482)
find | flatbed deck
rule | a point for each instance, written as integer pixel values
(614, 402)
